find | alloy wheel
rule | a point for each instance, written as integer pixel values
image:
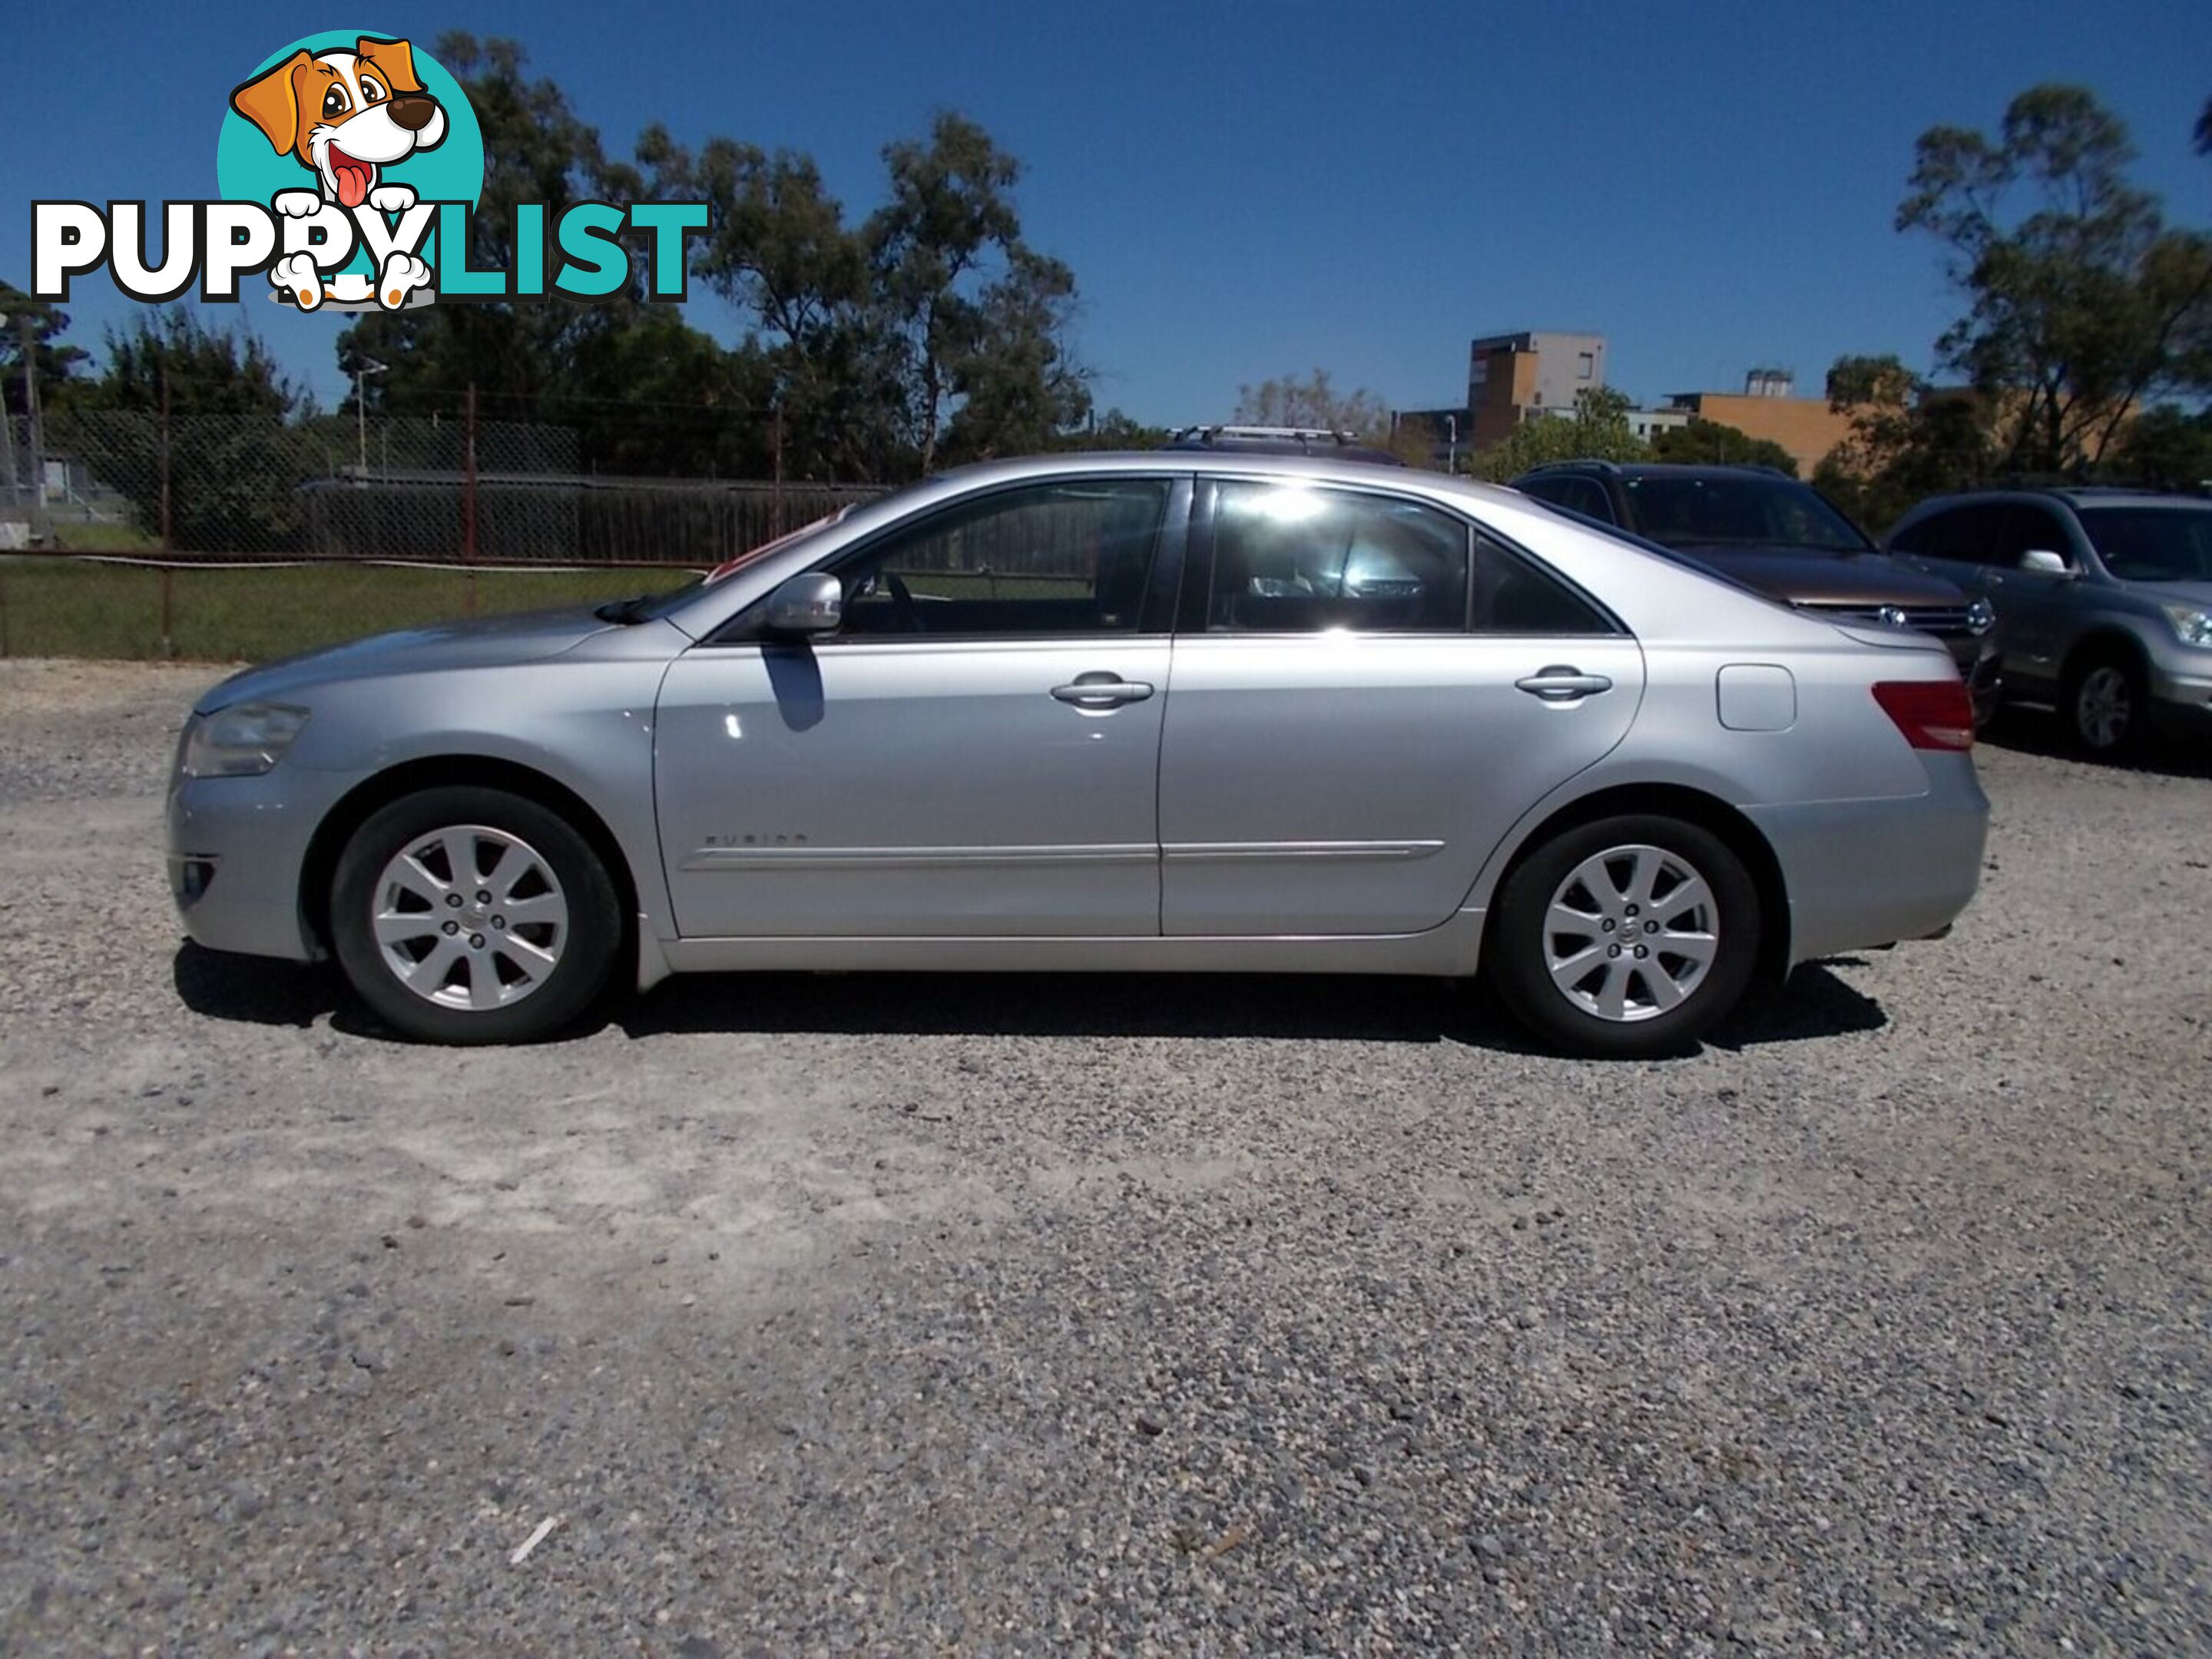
(470, 917)
(2103, 706)
(1631, 933)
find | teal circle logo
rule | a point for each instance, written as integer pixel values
(256, 159)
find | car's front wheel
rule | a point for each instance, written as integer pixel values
(467, 916)
(1626, 937)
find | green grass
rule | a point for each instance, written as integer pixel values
(62, 608)
(94, 538)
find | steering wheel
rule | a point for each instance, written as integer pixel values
(903, 612)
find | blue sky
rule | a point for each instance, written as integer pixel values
(1246, 191)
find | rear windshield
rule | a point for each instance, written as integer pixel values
(2152, 544)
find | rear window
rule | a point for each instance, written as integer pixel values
(2152, 544)
(1739, 512)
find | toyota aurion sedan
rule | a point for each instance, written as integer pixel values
(1170, 711)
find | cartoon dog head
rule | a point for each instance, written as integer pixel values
(345, 115)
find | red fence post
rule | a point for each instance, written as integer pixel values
(161, 450)
(468, 496)
(168, 570)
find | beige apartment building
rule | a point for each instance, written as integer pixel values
(1766, 408)
(1536, 375)
(1512, 378)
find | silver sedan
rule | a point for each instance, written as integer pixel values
(1171, 711)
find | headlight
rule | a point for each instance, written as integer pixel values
(1981, 616)
(242, 741)
(2192, 625)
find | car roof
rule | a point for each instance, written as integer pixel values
(1333, 466)
(1663, 470)
(2076, 496)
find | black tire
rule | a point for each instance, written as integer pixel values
(2100, 683)
(1518, 955)
(525, 1003)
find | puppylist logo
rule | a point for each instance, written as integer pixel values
(349, 165)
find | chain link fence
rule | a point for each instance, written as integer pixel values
(231, 536)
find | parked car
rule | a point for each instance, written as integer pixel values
(1165, 712)
(1784, 537)
(2104, 600)
(1279, 440)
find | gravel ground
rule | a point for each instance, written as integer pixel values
(984, 1315)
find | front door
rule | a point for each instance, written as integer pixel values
(2035, 606)
(974, 753)
(1376, 692)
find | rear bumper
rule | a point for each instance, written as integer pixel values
(1862, 873)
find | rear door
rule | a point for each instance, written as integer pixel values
(1369, 691)
(1958, 544)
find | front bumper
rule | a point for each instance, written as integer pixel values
(1862, 873)
(236, 849)
(1981, 666)
(2181, 704)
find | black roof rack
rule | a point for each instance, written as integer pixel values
(1280, 441)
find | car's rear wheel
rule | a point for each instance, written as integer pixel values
(1626, 937)
(466, 915)
(2104, 702)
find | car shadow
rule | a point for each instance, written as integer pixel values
(2038, 732)
(1814, 1003)
(1368, 1008)
(256, 990)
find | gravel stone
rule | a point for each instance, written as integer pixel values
(828, 1313)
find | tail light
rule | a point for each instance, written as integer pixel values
(1931, 714)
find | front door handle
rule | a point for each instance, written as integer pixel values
(1561, 684)
(1102, 690)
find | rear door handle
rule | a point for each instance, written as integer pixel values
(1561, 684)
(1102, 690)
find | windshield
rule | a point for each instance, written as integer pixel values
(1739, 512)
(2152, 544)
(648, 605)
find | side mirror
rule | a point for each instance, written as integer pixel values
(812, 603)
(2042, 562)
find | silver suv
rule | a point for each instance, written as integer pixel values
(2104, 600)
(1176, 711)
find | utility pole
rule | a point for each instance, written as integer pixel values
(775, 489)
(363, 366)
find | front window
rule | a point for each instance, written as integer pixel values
(2152, 544)
(1739, 512)
(1048, 559)
(647, 607)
